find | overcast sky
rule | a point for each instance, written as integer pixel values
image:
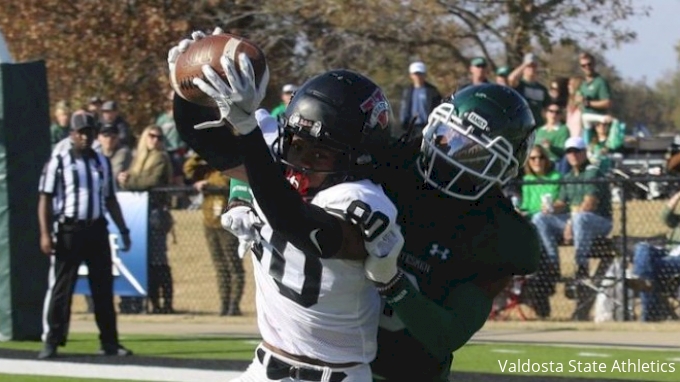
(653, 53)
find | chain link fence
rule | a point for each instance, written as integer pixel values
(631, 273)
(559, 291)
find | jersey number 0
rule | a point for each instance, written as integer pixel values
(311, 286)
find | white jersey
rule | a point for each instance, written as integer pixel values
(324, 309)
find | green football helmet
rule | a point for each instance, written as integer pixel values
(475, 139)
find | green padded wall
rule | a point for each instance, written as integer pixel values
(24, 148)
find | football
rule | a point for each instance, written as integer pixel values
(209, 50)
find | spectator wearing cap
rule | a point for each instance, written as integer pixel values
(286, 95)
(478, 72)
(94, 105)
(525, 80)
(60, 129)
(418, 99)
(109, 145)
(581, 212)
(76, 190)
(110, 114)
(67, 143)
(502, 74)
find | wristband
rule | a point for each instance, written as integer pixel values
(391, 286)
(238, 202)
(124, 231)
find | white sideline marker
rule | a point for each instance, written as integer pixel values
(119, 372)
(585, 354)
(510, 351)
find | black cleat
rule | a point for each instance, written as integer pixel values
(48, 351)
(114, 350)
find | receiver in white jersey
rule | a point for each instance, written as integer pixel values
(324, 309)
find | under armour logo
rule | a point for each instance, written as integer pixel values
(443, 254)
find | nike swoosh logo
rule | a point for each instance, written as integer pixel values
(314, 240)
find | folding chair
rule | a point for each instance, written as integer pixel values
(509, 300)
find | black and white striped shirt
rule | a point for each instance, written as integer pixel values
(79, 185)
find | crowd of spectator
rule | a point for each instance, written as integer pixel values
(575, 136)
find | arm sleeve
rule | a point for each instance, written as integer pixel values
(239, 189)
(48, 178)
(308, 227)
(110, 183)
(445, 329)
(217, 146)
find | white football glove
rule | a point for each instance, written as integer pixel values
(383, 253)
(240, 221)
(238, 99)
(182, 46)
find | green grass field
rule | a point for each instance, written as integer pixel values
(482, 358)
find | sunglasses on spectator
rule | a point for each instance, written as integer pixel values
(586, 64)
(553, 111)
(539, 157)
(155, 136)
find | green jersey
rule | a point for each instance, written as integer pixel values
(449, 243)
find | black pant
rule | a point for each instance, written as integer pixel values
(76, 244)
(160, 283)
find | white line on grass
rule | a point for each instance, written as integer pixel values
(674, 359)
(586, 354)
(120, 372)
(507, 351)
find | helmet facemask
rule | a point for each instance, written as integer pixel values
(348, 165)
(457, 157)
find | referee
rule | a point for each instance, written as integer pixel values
(79, 183)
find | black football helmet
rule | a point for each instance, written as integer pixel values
(475, 139)
(343, 111)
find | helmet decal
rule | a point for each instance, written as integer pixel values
(380, 115)
(379, 107)
(478, 121)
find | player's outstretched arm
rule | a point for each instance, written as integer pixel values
(218, 147)
(447, 328)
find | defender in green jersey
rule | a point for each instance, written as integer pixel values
(463, 238)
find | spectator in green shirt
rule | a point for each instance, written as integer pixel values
(286, 95)
(554, 133)
(607, 137)
(582, 211)
(538, 168)
(595, 94)
(60, 128)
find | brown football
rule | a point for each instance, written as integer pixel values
(208, 50)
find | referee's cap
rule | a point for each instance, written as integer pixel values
(81, 120)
